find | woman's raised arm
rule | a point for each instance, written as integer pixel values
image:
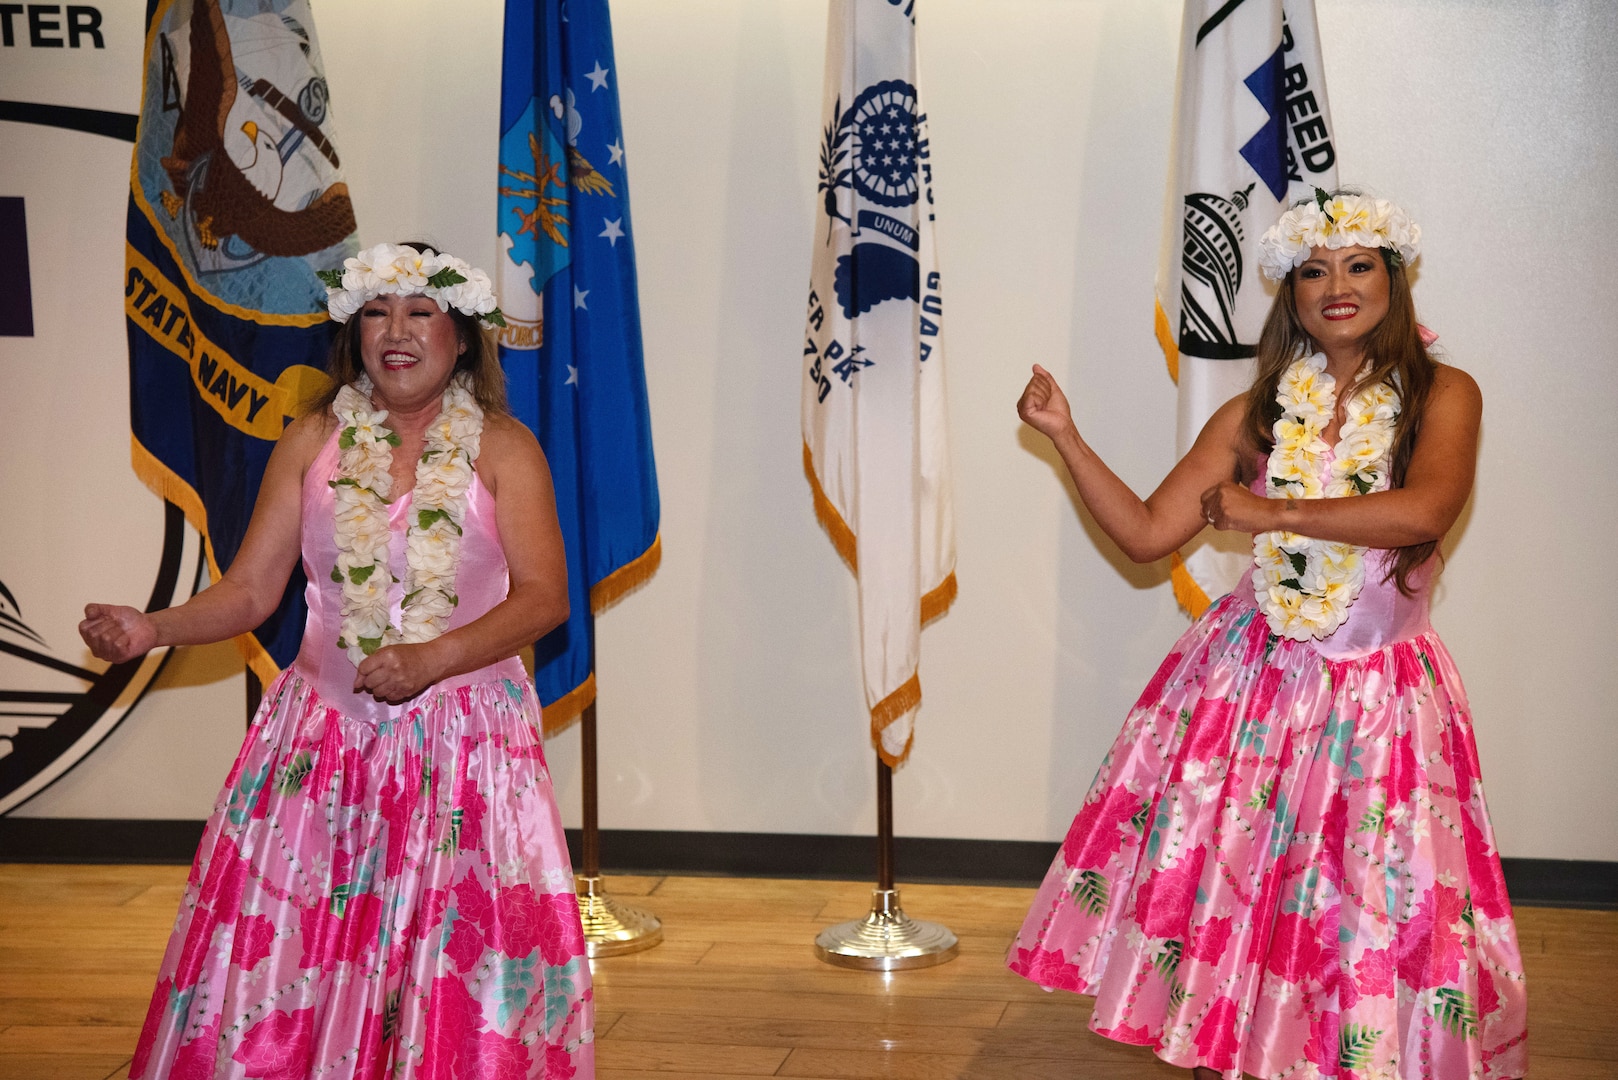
(249, 591)
(1145, 529)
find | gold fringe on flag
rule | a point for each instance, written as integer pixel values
(1186, 589)
(564, 712)
(935, 603)
(627, 578)
(842, 537)
(903, 700)
(1165, 338)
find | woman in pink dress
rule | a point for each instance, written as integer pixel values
(1285, 867)
(383, 888)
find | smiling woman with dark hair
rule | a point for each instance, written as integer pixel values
(1285, 867)
(383, 888)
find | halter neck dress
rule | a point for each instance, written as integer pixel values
(382, 890)
(1285, 868)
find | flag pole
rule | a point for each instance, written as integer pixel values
(886, 939)
(611, 928)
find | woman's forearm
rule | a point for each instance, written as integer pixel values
(224, 610)
(1124, 516)
(1382, 519)
(528, 613)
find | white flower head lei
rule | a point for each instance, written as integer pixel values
(443, 472)
(1337, 221)
(389, 269)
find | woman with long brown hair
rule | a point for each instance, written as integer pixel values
(1285, 866)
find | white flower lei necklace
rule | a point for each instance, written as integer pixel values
(1305, 586)
(438, 510)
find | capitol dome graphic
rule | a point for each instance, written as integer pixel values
(1211, 262)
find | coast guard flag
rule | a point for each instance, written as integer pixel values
(572, 345)
(875, 429)
(1252, 135)
(236, 199)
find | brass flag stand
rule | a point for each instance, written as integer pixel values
(886, 939)
(611, 928)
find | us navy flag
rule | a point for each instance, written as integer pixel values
(875, 426)
(572, 344)
(1252, 135)
(236, 199)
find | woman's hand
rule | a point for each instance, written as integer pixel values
(397, 673)
(1043, 406)
(1228, 505)
(117, 633)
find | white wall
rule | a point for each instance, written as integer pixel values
(729, 686)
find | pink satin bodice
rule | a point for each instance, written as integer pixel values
(480, 582)
(1381, 615)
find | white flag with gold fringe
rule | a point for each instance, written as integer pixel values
(875, 426)
(1252, 134)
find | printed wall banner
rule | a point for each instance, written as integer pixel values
(875, 424)
(236, 199)
(572, 344)
(1252, 135)
(84, 528)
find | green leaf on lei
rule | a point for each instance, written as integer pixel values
(358, 574)
(426, 518)
(369, 645)
(446, 277)
(345, 441)
(1299, 561)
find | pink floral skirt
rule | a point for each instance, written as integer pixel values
(1285, 868)
(379, 900)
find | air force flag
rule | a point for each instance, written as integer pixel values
(572, 346)
(874, 421)
(1252, 135)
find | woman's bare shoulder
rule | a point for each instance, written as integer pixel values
(508, 448)
(303, 438)
(506, 436)
(1453, 388)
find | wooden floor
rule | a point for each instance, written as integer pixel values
(734, 991)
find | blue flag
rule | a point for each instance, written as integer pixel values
(236, 198)
(572, 346)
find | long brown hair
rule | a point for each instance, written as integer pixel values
(481, 358)
(1397, 358)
